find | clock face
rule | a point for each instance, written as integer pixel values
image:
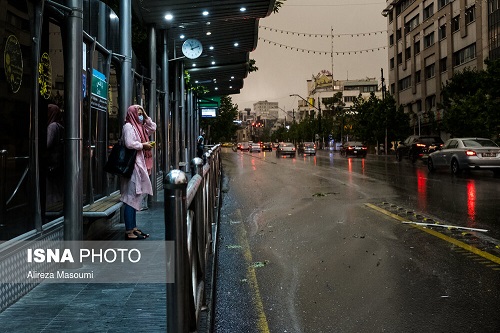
(192, 48)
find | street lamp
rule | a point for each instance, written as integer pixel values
(319, 110)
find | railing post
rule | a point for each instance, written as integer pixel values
(175, 185)
(3, 186)
(202, 229)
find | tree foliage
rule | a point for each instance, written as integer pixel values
(471, 100)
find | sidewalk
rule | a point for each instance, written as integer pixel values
(95, 307)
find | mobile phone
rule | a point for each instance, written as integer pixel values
(152, 143)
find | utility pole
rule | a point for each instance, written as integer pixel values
(385, 111)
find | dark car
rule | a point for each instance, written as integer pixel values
(353, 148)
(286, 148)
(267, 146)
(307, 148)
(418, 147)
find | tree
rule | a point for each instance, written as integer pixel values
(222, 127)
(470, 101)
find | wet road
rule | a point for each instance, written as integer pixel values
(320, 244)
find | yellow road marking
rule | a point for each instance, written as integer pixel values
(437, 234)
(251, 279)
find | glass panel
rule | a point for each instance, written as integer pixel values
(15, 96)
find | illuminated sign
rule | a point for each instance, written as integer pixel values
(209, 112)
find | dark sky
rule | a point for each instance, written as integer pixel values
(284, 70)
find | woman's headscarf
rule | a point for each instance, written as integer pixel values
(133, 118)
(54, 115)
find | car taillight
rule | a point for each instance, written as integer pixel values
(293, 148)
(364, 148)
(350, 148)
(470, 153)
(420, 145)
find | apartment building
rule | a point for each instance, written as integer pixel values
(323, 86)
(429, 40)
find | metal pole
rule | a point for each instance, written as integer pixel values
(126, 78)
(183, 111)
(34, 160)
(73, 182)
(166, 105)
(152, 103)
(175, 116)
(175, 184)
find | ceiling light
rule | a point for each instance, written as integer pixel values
(242, 9)
(211, 47)
(113, 16)
(205, 13)
(182, 36)
(213, 62)
(236, 44)
(196, 81)
(208, 33)
(230, 87)
(169, 17)
(194, 65)
(216, 88)
(232, 77)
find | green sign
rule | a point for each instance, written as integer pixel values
(99, 97)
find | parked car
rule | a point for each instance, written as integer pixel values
(245, 146)
(307, 148)
(418, 147)
(353, 148)
(238, 145)
(466, 154)
(275, 145)
(286, 148)
(253, 147)
(267, 146)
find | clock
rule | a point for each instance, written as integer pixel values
(192, 48)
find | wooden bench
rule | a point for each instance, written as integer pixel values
(103, 207)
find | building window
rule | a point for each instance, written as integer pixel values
(442, 32)
(391, 40)
(428, 11)
(455, 23)
(416, 47)
(391, 16)
(430, 71)
(400, 58)
(412, 24)
(417, 77)
(418, 105)
(393, 88)
(430, 102)
(398, 34)
(442, 64)
(493, 6)
(391, 63)
(442, 3)
(464, 55)
(429, 40)
(404, 83)
(408, 53)
(349, 99)
(367, 89)
(470, 14)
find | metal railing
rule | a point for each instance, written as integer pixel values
(191, 216)
(4, 200)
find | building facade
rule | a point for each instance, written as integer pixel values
(428, 41)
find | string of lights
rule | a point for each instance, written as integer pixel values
(330, 53)
(305, 34)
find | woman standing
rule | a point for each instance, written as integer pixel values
(138, 126)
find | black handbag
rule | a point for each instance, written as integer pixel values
(121, 160)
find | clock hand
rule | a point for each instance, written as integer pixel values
(192, 48)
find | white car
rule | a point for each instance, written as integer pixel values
(466, 154)
(253, 147)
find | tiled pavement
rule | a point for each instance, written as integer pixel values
(95, 307)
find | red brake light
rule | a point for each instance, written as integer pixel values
(420, 145)
(350, 148)
(364, 148)
(470, 153)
